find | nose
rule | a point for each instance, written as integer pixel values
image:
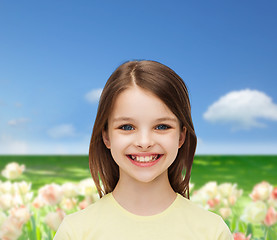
(144, 140)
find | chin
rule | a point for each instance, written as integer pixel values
(148, 178)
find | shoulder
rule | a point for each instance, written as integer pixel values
(202, 220)
(79, 223)
(91, 212)
(193, 210)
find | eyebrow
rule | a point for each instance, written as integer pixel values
(157, 120)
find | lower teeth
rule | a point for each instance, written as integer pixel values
(145, 161)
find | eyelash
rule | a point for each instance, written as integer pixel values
(121, 127)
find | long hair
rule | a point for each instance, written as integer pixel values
(164, 83)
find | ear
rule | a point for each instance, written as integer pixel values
(182, 136)
(106, 139)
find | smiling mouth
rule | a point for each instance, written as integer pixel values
(147, 159)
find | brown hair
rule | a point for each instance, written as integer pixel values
(171, 89)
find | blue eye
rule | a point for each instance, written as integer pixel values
(126, 127)
(162, 127)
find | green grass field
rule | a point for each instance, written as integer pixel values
(246, 171)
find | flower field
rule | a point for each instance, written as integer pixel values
(36, 193)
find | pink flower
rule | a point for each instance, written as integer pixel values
(6, 201)
(86, 202)
(38, 202)
(22, 214)
(83, 204)
(271, 217)
(51, 194)
(254, 212)
(68, 203)
(13, 170)
(241, 236)
(261, 191)
(11, 229)
(233, 199)
(274, 193)
(213, 202)
(70, 190)
(225, 212)
(54, 219)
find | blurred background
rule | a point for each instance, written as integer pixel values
(55, 57)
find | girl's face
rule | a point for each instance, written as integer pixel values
(143, 135)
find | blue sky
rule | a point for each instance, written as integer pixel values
(55, 57)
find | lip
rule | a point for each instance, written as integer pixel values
(144, 164)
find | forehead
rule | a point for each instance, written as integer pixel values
(136, 102)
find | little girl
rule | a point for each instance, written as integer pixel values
(142, 148)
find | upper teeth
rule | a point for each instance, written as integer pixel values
(144, 159)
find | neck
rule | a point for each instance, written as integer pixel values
(144, 198)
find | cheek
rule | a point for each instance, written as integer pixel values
(119, 141)
(171, 142)
(173, 139)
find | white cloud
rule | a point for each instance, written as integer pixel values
(61, 131)
(18, 122)
(243, 109)
(10, 145)
(94, 95)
